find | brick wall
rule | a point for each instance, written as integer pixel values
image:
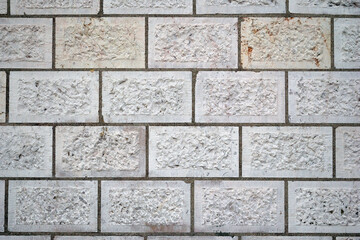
(180, 120)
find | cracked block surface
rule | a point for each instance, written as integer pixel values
(3, 6)
(193, 43)
(147, 96)
(2, 96)
(100, 151)
(285, 43)
(148, 7)
(348, 152)
(287, 152)
(193, 152)
(338, 7)
(100, 42)
(54, 96)
(145, 206)
(239, 206)
(239, 6)
(347, 43)
(25, 43)
(324, 97)
(53, 206)
(323, 207)
(240, 97)
(25, 151)
(41, 7)
(2, 205)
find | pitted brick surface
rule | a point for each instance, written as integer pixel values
(287, 152)
(147, 96)
(344, 7)
(100, 151)
(285, 43)
(2, 96)
(3, 6)
(25, 151)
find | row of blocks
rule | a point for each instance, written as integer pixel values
(166, 206)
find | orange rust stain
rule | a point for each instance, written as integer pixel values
(317, 63)
(250, 49)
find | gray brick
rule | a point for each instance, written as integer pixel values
(338, 7)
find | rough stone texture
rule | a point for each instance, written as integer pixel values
(324, 207)
(348, 152)
(240, 6)
(147, 96)
(100, 151)
(25, 43)
(190, 238)
(100, 42)
(2, 96)
(2, 205)
(46, 206)
(338, 7)
(239, 206)
(193, 152)
(33, 7)
(25, 151)
(148, 6)
(324, 97)
(284, 238)
(54, 97)
(25, 237)
(348, 238)
(193, 43)
(347, 42)
(287, 152)
(99, 238)
(240, 97)
(3, 6)
(145, 206)
(285, 43)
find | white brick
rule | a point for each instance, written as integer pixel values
(100, 151)
(191, 238)
(285, 43)
(324, 207)
(2, 206)
(3, 6)
(239, 206)
(348, 238)
(348, 152)
(54, 97)
(53, 206)
(193, 152)
(100, 42)
(240, 97)
(287, 152)
(338, 7)
(239, 6)
(147, 96)
(324, 97)
(193, 43)
(25, 151)
(145, 206)
(99, 238)
(25, 43)
(347, 43)
(2, 96)
(25, 237)
(148, 7)
(284, 238)
(40, 7)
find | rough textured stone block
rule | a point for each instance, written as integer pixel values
(348, 238)
(284, 238)
(100, 42)
(190, 238)
(3, 6)
(54, 97)
(25, 151)
(145, 206)
(193, 152)
(348, 152)
(338, 7)
(2, 205)
(347, 42)
(25, 43)
(239, 206)
(25, 237)
(147, 96)
(240, 6)
(324, 207)
(100, 151)
(2, 96)
(193, 43)
(148, 7)
(99, 238)
(324, 97)
(287, 152)
(34, 7)
(53, 206)
(240, 97)
(285, 43)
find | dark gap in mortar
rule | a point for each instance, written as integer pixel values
(287, 97)
(146, 152)
(54, 151)
(286, 213)
(6, 208)
(99, 207)
(101, 117)
(53, 44)
(332, 45)
(192, 207)
(7, 96)
(146, 42)
(334, 151)
(240, 152)
(193, 94)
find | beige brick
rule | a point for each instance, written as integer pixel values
(285, 43)
(100, 42)
(2, 96)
